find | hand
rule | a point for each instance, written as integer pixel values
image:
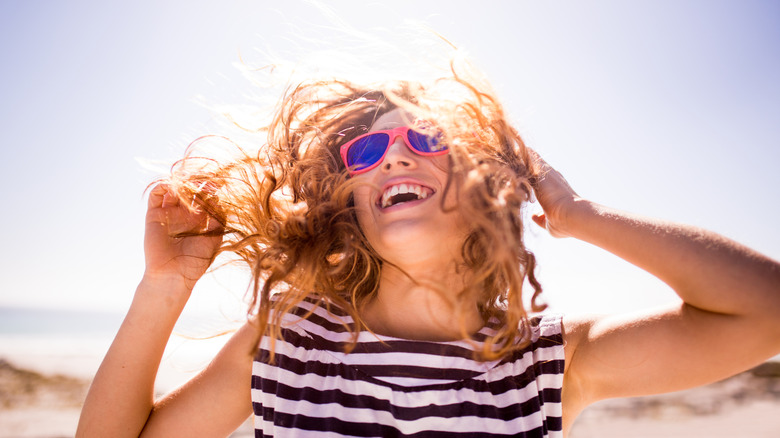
(169, 256)
(556, 197)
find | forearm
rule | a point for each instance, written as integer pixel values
(706, 270)
(122, 393)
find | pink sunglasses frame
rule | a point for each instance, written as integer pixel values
(401, 131)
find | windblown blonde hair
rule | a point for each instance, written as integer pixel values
(287, 209)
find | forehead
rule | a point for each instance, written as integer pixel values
(392, 119)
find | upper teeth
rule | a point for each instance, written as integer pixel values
(420, 191)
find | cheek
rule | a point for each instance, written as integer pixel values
(441, 162)
(362, 196)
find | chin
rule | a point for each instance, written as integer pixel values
(402, 246)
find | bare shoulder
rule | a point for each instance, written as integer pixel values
(244, 342)
(575, 332)
(574, 397)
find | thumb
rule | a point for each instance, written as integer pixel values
(540, 219)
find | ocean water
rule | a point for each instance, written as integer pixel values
(56, 341)
(31, 322)
(73, 342)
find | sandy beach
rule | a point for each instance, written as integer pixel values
(38, 405)
(35, 404)
(745, 405)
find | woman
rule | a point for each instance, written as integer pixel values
(383, 228)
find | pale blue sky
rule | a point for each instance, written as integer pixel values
(666, 108)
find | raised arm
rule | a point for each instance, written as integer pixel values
(728, 321)
(120, 402)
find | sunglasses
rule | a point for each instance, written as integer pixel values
(367, 151)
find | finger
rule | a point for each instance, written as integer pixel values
(213, 225)
(536, 158)
(543, 166)
(170, 199)
(210, 205)
(156, 195)
(208, 187)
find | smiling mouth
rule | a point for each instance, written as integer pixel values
(400, 193)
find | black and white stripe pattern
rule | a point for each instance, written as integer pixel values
(403, 388)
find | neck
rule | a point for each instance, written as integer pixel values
(422, 306)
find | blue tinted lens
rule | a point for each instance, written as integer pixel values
(425, 143)
(367, 151)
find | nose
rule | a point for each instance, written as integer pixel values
(399, 155)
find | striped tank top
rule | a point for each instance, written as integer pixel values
(391, 387)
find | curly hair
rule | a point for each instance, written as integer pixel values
(287, 209)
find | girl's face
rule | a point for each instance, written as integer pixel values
(399, 203)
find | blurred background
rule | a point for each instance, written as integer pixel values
(665, 108)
